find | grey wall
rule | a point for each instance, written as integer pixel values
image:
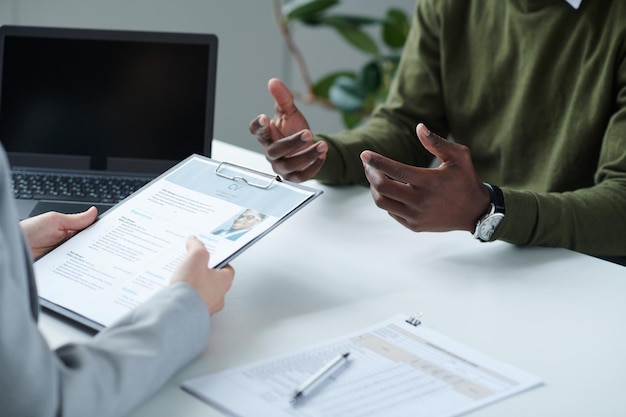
(251, 50)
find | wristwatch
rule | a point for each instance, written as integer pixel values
(487, 225)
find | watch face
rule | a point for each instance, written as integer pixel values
(488, 226)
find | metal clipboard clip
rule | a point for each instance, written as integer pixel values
(256, 178)
(415, 319)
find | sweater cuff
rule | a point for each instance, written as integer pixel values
(521, 217)
(330, 172)
(343, 163)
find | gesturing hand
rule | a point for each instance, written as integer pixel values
(449, 197)
(287, 139)
(46, 231)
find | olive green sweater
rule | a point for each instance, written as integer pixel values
(537, 91)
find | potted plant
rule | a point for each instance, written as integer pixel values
(354, 93)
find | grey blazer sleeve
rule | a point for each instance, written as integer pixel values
(107, 376)
(111, 373)
(129, 361)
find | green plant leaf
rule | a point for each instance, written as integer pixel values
(370, 77)
(351, 119)
(379, 98)
(337, 21)
(354, 94)
(313, 20)
(396, 28)
(359, 39)
(322, 86)
(346, 94)
(305, 9)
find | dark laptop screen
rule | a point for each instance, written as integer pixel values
(107, 96)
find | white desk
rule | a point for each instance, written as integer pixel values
(342, 264)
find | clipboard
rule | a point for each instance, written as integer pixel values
(131, 251)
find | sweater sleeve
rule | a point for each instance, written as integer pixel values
(415, 96)
(551, 135)
(591, 220)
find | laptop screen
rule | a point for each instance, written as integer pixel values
(105, 100)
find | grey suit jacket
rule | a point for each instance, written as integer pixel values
(107, 376)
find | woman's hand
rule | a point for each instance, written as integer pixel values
(46, 231)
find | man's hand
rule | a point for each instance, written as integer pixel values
(287, 139)
(449, 197)
(46, 231)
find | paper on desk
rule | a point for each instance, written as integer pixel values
(395, 369)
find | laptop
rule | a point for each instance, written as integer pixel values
(88, 116)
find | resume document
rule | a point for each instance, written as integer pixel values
(130, 252)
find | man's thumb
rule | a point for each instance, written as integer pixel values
(435, 144)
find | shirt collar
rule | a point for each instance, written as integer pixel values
(574, 3)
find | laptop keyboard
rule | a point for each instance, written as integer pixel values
(74, 187)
